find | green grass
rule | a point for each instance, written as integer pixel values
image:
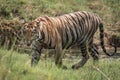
(109, 10)
(14, 66)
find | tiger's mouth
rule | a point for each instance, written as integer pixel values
(25, 42)
(28, 43)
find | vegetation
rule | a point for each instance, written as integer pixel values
(15, 66)
(108, 10)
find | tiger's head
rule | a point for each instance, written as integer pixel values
(34, 30)
(29, 32)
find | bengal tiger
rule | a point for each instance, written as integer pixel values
(61, 32)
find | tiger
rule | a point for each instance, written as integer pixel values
(62, 32)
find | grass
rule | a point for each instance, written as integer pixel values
(14, 66)
(109, 10)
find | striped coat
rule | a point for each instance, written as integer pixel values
(61, 32)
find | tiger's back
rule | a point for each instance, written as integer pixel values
(74, 28)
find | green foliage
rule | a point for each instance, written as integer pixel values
(11, 8)
(109, 10)
(115, 8)
(14, 66)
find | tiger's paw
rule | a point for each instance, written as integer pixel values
(64, 67)
(74, 67)
(34, 63)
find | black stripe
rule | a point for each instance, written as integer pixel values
(88, 26)
(62, 34)
(71, 31)
(50, 42)
(73, 19)
(43, 35)
(81, 23)
(66, 40)
(92, 28)
(76, 28)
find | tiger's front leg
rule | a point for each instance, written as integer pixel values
(36, 52)
(58, 57)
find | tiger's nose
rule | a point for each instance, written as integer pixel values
(27, 43)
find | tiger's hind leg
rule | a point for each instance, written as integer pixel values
(93, 48)
(94, 52)
(85, 57)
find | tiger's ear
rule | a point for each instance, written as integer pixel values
(22, 20)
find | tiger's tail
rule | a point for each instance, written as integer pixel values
(101, 28)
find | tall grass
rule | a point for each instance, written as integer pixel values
(14, 66)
